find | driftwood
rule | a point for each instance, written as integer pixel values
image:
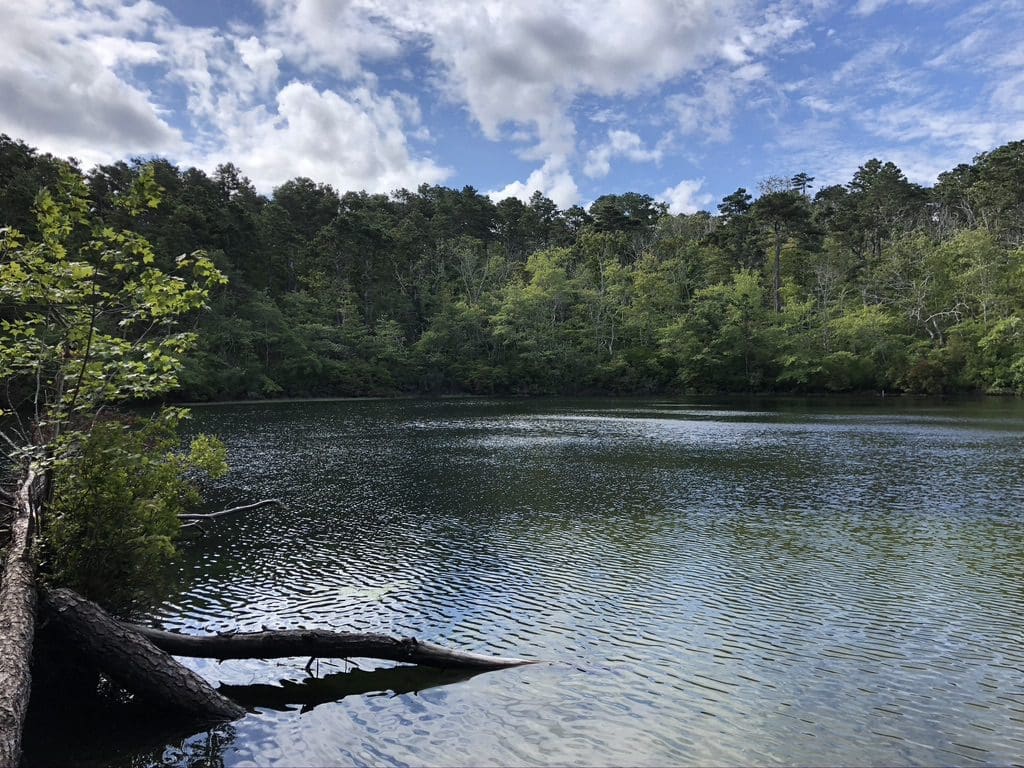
(322, 644)
(17, 624)
(231, 511)
(133, 662)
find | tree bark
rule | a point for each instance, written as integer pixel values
(320, 643)
(133, 662)
(17, 624)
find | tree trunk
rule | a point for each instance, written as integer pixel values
(777, 271)
(319, 643)
(17, 624)
(133, 662)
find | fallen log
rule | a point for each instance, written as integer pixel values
(321, 644)
(17, 623)
(230, 511)
(140, 659)
(133, 662)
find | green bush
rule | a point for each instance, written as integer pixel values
(118, 491)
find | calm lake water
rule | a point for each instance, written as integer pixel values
(752, 582)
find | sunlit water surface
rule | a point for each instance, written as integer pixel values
(747, 583)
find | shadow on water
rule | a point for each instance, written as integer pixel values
(313, 691)
(103, 729)
(115, 730)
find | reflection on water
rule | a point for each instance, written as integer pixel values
(762, 583)
(314, 691)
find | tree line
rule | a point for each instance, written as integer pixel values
(876, 284)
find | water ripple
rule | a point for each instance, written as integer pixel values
(715, 586)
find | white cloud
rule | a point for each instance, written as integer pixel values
(708, 109)
(67, 85)
(552, 179)
(59, 88)
(260, 60)
(331, 34)
(686, 197)
(819, 104)
(924, 103)
(518, 67)
(868, 7)
(709, 113)
(353, 142)
(620, 143)
(305, 89)
(523, 63)
(957, 128)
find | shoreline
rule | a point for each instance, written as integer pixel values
(837, 396)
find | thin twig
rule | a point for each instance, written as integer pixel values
(232, 510)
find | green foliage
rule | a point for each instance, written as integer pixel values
(870, 350)
(1001, 358)
(725, 341)
(113, 518)
(874, 284)
(91, 319)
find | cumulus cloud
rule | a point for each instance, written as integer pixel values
(348, 90)
(69, 84)
(59, 86)
(261, 61)
(335, 35)
(353, 141)
(620, 143)
(552, 179)
(686, 197)
(518, 67)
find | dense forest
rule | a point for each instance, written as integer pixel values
(878, 284)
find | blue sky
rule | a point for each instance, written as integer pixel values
(684, 100)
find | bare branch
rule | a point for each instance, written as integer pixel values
(232, 510)
(9, 441)
(324, 644)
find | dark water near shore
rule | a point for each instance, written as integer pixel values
(728, 583)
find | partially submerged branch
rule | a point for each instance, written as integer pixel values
(321, 643)
(232, 510)
(140, 659)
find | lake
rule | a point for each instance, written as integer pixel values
(707, 582)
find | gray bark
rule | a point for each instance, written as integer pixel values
(17, 624)
(133, 662)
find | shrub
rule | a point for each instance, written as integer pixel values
(118, 491)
